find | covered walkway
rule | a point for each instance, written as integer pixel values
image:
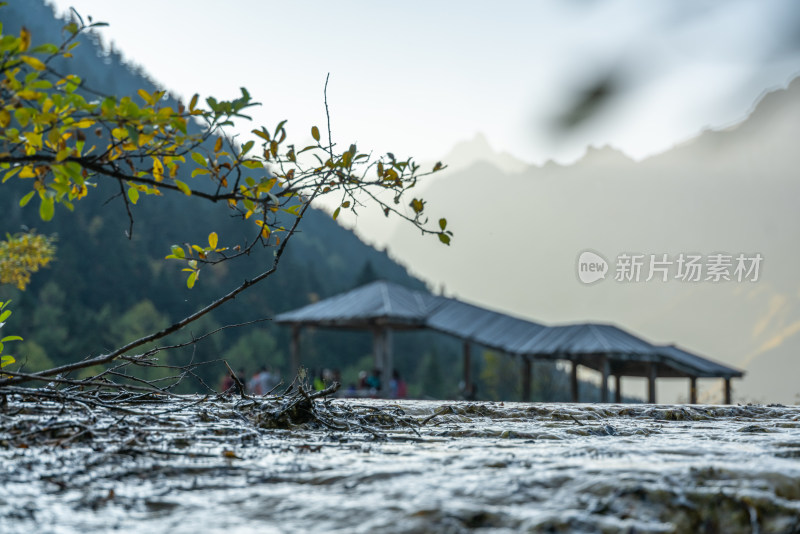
(381, 307)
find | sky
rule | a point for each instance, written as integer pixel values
(416, 77)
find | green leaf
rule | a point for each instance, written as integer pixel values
(177, 251)
(336, 213)
(48, 48)
(192, 279)
(444, 238)
(184, 188)
(47, 208)
(247, 146)
(315, 133)
(262, 135)
(27, 198)
(133, 195)
(279, 128)
(442, 223)
(199, 159)
(10, 174)
(10, 338)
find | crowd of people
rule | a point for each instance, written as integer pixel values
(370, 385)
(265, 380)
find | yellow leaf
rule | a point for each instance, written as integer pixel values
(145, 96)
(145, 139)
(218, 145)
(315, 133)
(80, 191)
(5, 118)
(33, 62)
(213, 239)
(193, 103)
(158, 170)
(25, 39)
(84, 123)
(183, 187)
(27, 172)
(27, 94)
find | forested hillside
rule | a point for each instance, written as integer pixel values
(105, 289)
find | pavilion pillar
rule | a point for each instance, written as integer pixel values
(295, 350)
(526, 379)
(728, 391)
(467, 370)
(573, 379)
(388, 364)
(606, 370)
(692, 390)
(379, 356)
(651, 383)
(618, 389)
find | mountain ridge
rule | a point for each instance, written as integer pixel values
(732, 190)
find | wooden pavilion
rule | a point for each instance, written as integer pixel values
(382, 307)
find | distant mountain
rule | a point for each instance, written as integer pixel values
(517, 239)
(478, 149)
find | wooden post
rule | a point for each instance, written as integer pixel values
(526, 379)
(294, 348)
(651, 383)
(574, 381)
(379, 357)
(728, 391)
(618, 389)
(377, 348)
(467, 371)
(606, 370)
(692, 390)
(388, 364)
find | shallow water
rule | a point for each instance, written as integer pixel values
(475, 466)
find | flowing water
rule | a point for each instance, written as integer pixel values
(472, 467)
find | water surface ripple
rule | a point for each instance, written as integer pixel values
(472, 467)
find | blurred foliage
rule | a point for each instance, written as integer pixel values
(23, 254)
(6, 359)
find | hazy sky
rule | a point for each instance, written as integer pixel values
(415, 77)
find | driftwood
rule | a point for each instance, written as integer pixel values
(124, 416)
